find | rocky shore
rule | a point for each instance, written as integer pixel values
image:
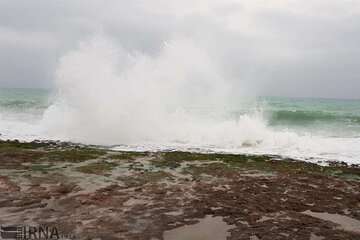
(95, 193)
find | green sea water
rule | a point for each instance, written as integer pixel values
(331, 116)
(331, 122)
(279, 111)
(23, 100)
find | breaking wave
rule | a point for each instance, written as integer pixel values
(176, 99)
(298, 117)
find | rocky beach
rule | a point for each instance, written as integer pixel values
(96, 193)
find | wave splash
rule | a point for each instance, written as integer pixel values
(109, 96)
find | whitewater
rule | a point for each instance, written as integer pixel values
(177, 99)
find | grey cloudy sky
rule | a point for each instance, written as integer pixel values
(279, 47)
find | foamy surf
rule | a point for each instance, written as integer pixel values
(176, 100)
(247, 135)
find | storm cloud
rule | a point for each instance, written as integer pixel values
(286, 48)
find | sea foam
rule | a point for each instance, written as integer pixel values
(107, 95)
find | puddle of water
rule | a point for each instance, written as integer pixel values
(315, 237)
(264, 218)
(175, 213)
(346, 223)
(257, 174)
(134, 201)
(254, 238)
(209, 228)
(270, 217)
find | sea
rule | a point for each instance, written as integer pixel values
(310, 129)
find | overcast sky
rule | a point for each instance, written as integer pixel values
(273, 47)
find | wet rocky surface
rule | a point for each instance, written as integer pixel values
(102, 194)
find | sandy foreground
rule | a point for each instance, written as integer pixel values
(90, 193)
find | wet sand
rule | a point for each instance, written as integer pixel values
(101, 194)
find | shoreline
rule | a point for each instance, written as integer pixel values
(99, 193)
(126, 148)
